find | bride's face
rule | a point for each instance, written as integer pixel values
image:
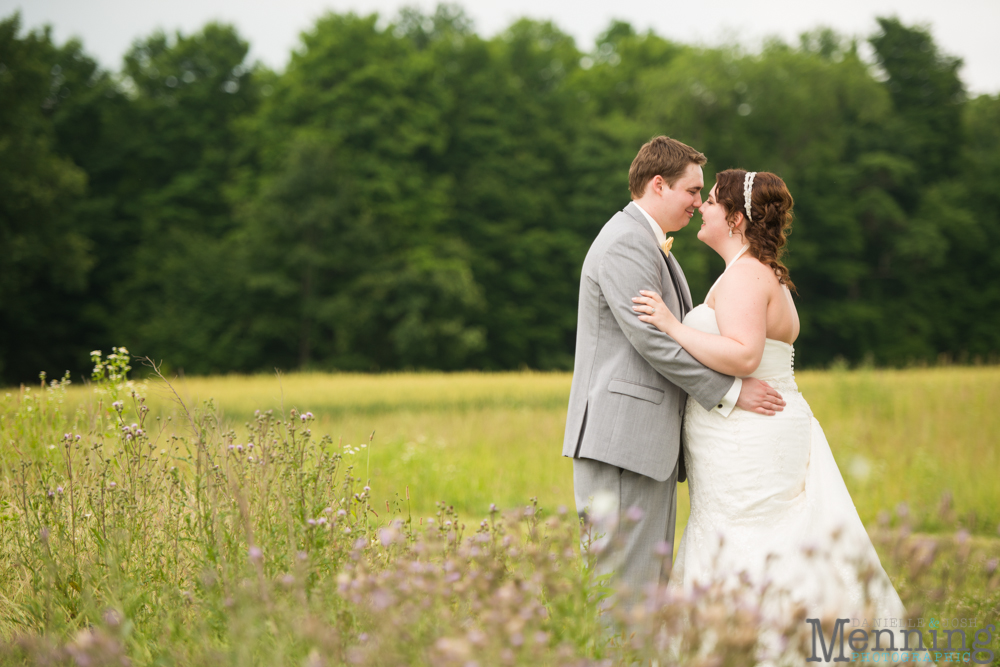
(713, 215)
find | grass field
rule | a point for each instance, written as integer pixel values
(346, 519)
(473, 439)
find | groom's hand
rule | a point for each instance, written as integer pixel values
(760, 397)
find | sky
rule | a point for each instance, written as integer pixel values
(964, 28)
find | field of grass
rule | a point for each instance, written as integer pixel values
(472, 439)
(346, 519)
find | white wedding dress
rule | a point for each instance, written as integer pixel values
(769, 505)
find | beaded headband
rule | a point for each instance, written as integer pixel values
(748, 191)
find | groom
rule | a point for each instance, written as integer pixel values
(630, 380)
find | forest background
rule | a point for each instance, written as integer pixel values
(407, 194)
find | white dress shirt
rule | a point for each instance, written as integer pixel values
(728, 401)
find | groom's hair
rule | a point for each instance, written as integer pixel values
(661, 156)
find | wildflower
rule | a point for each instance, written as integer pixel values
(991, 565)
(231, 447)
(239, 448)
(634, 514)
(309, 415)
(367, 489)
(112, 485)
(118, 405)
(287, 579)
(255, 553)
(112, 617)
(341, 513)
(59, 490)
(311, 522)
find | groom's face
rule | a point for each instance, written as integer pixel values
(678, 203)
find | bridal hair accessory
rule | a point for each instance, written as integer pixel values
(667, 245)
(747, 193)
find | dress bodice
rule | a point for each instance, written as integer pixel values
(778, 362)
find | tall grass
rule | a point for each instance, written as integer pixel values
(239, 529)
(474, 439)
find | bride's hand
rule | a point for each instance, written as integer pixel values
(651, 308)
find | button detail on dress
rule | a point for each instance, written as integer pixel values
(720, 405)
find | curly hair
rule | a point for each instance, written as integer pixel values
(771, 209)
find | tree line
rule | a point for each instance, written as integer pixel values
(412, 195)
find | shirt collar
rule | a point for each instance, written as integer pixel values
(660, 236)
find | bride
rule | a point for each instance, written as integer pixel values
(766, 493)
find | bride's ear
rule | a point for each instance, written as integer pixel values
(736, 223)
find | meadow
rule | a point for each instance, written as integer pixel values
(419, 518)
(476, 439)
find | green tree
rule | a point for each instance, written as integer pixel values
(46, 260)
(345, 224)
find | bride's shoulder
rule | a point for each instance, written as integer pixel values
(750, 270)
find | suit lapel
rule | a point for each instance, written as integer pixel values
(681, 281)
(674, 280)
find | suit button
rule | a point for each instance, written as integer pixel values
(720, 405)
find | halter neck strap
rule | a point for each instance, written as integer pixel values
(746, 246)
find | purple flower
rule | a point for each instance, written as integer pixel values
(59, 490)
(634, 514)
(255, 553)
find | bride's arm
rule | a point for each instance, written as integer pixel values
(741, 312)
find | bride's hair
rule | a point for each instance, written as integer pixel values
(771, 208)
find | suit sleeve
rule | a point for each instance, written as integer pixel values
(629, 265)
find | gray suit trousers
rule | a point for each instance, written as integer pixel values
(636, 546)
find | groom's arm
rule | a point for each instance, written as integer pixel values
(628, 265)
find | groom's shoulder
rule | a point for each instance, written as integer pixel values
(621, 228)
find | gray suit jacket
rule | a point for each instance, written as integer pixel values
(631, 380)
